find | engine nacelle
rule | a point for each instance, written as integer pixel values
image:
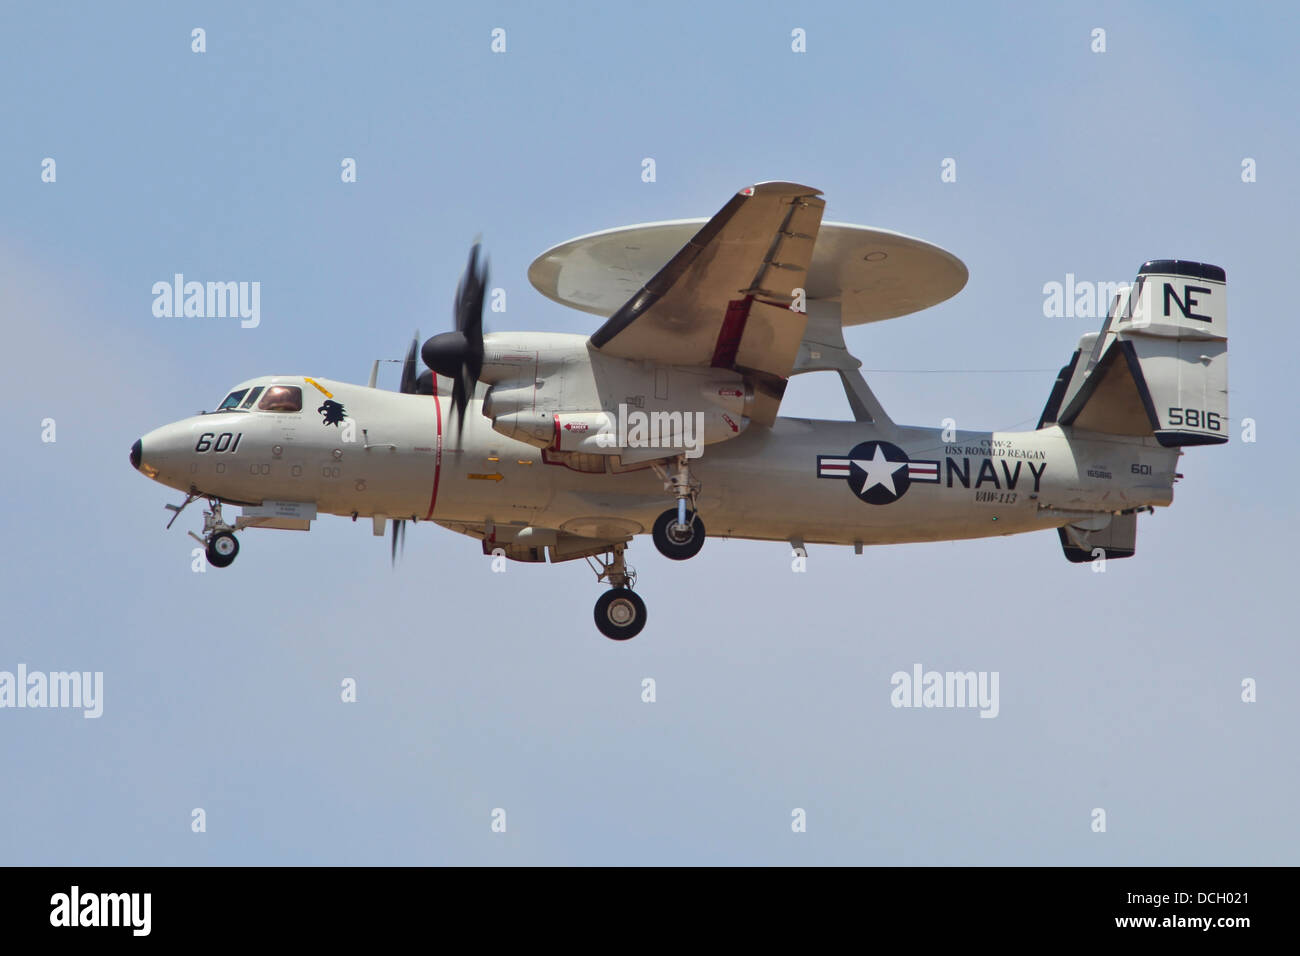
(593, 432)
(566, 405)
(607, 433)
(532, 428)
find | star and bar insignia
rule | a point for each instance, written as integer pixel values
(878, 472)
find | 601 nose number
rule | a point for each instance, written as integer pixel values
(225, 442)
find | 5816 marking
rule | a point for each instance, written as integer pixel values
(1195, 418)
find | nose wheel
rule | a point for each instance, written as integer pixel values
(620, 613)
(222, 549)
(219, 542)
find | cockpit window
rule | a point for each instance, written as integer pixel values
(233, 399)
(252, 397)
(281, 398)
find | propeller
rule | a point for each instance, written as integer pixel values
(408, 367)
(399, 537)
(458, 354)
(413, 383)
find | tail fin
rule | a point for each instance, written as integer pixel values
(1159, 365)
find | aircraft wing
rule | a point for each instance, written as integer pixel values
(724, 299)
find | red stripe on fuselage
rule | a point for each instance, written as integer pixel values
(437, 450)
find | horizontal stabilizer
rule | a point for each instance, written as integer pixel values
(1117, 540)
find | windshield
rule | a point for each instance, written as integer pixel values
(233, 399)
(281, 398)
(274, 398)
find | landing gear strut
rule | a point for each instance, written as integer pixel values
(620, 613)
(679, 533)
(219, 542)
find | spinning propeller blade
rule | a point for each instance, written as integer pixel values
(409, 372)
(458, 355)
(399, 537)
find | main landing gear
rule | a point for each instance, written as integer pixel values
(219, 542)
(620, 612)
(679, 533)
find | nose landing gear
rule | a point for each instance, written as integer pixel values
(219, 543)
(620, 613)
(218, 540)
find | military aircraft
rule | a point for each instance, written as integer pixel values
(664, 420)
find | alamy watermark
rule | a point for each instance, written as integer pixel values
(76, 908)
(208, 300)
(956, 689)
(36, 689)
(1082, 299)
(640, 429)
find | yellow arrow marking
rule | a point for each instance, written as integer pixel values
(319, 387)
(495, 476)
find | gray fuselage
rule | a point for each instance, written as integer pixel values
(800, 480)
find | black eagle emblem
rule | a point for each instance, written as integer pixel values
(332, 413)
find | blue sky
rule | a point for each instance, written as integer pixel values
(476, 691)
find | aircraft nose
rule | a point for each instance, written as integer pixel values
(135, 455)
